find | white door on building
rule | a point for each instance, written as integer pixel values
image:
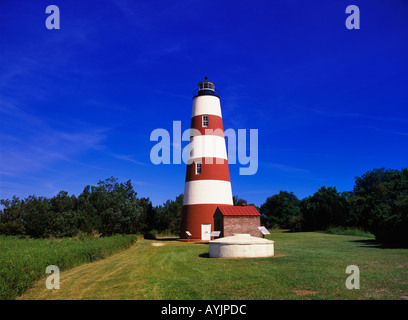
(206, 231)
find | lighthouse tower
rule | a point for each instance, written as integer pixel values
(207, 182)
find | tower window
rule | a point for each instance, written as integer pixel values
(205, 121)
(198, 167)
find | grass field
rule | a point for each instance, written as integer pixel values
(23, 261)
(306, 266)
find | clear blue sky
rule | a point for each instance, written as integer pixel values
(78, 104)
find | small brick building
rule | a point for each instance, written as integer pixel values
(237, 219)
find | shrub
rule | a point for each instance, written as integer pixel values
(348, 231)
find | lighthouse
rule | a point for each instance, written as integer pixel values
(207, 183)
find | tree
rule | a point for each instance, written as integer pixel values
(325, 208)
(90, 220)
(382, 197)
(38, 217)
(62, 202)
(169, 215)
(116, 208)
(238, 201)
(110, 207)
(281, 210)
(12, 216)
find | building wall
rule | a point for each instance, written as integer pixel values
(241, 224)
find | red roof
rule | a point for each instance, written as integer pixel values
(238, 211)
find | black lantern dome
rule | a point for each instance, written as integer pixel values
(206, 87)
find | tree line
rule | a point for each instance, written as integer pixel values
(108, 208)
(378, 204)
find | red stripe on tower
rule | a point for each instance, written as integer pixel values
(214, 125)
(207, 182)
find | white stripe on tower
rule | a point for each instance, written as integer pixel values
(207, 146)
(203, 105)
(207, 191)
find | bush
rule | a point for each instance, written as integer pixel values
(348, 231)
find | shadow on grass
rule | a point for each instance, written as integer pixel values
(204, 255)
(151, 236)
(372, 243)
(165, 238)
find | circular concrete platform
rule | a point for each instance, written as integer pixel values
(241, 245)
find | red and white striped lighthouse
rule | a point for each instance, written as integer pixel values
(207, 182)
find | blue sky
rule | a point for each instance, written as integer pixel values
(78, 104)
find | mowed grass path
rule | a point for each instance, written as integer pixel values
(306, 266)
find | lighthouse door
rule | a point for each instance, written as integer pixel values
(206, 231)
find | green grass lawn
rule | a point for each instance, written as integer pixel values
(24, 261)
(306, 266)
